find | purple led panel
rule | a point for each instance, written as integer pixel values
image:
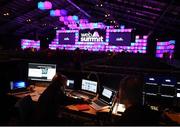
(26, 43)
(166, 47)
(46, 5)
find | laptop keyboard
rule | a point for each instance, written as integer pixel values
(82, 94)
(98, 105)
(97, 102)
(21, 92)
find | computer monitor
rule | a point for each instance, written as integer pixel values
(41, 72)
(151, 86)
(70, 84)
(178, 90)
(167, 88)
(89, 85)
(17, 85)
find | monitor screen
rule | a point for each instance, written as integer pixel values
(120, 38)
(107, 95)
(70, 84)
(41, 72)
(167, 87)
(151, 89)
(167, 91)
(67, 38)
(88, 85)
(178, 90)
(17, 85)
(178, 93)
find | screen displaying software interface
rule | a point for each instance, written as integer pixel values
(70, 83)
(107, 95)
(17, 85)
(41, 72)
(88, 85)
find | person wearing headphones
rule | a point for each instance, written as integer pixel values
(131, 95)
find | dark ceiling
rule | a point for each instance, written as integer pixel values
(22, 17)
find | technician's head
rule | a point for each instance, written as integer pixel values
(130, 90)
(61, 80)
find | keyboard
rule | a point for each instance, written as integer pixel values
(98, 105)
(20, 92)
(82, 94)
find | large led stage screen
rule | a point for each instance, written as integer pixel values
(120, 38)
(96, 39)
(67, 38)
(94, 35)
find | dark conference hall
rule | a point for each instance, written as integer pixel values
(89, 63)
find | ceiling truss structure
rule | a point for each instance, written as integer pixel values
(145, 15)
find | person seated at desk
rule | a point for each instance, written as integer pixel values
(50, 101)
(130, 94)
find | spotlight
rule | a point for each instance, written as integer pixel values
(6, 14)
(55, 28)
(28, 20)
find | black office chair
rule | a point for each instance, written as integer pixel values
(25, 107)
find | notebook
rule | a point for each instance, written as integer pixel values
(88, 89)
(105, 100)
(18, 87)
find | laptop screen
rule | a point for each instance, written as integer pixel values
(107, 95)
(70, 84)
(17, 85)
(41, 72)
(88, 85)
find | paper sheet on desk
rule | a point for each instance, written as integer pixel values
(118, 108)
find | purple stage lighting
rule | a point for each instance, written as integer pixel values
(63, 12)
(55, 12)
(165, 49)
(26, 43)
(46, 5)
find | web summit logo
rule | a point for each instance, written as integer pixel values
(89, 37)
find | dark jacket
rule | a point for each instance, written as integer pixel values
(48, 104)
(139, 115)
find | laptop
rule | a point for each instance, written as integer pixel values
(105, 100)
(69, 85)
(18, 87)
(88, 89)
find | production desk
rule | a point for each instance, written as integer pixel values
(90, 115)
(37, 91)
